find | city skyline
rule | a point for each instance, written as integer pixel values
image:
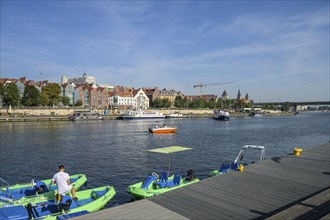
(274, 50)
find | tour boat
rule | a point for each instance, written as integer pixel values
(221, 115)
(155, 184)
(90, 200)
(140, 114)
(162, 129)
(237, 164)
(24, 193)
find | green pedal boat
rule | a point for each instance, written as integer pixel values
(25, 193)
(154, 185)
(90, 200)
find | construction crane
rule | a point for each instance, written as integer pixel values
(212, 84)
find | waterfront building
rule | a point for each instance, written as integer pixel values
(168, 94)
(84, 80)
(128, 98)
(102, 98)
(68, 90)
(140, 99)
(152, 94)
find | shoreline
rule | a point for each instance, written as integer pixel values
(191, 113)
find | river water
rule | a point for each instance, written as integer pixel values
(115, 152)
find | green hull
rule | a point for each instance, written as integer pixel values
(138, 192)
(90, 200)
(215, 173)
(92, 206)
(80, 179)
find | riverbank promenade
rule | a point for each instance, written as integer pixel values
(286, 187)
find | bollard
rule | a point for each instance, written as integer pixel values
(297, 151)
(241, 168)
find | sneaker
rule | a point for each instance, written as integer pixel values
(75, 198)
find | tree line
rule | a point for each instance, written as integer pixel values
(50, 95)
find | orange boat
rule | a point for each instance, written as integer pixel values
(162, 129)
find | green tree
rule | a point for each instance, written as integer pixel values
(166, 103)
(286, 106)
(157, 103)
(30, 96)
(212, 103)
(178, 102)
(43, 99)
(78, 103)
(2, 90)
(53, 91)
(11, 94)
(65, 100)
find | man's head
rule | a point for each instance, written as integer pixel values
(60, 167)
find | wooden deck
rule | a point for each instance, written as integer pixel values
(287, 187)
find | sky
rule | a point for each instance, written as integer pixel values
(272, 50)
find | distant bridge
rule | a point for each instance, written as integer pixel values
(295, 103)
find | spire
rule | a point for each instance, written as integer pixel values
(247, 96)
(239, 95)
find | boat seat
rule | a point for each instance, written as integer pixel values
(98, 194)
(148, 180)
(225, 167)
(163, 179)
(14, 212)
(176, 180)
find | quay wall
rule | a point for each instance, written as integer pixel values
(62, 114)
(70, 111)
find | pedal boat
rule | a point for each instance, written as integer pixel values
(237, 163)
(90, 200)
(155, 185)
(20, 194)
(162, 129)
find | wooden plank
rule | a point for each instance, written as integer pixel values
(142, 209)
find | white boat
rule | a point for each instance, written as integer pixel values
(221, 115)
(140, 114)
(162, 129)
(256, 114)
(176, 115)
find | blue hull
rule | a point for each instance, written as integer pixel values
(223, 118)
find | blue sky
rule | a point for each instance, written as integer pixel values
(272, 50)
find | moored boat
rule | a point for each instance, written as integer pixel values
(85, 116)
(90, 200)
(238, 164)
(256, 114)
(141, 114)
(27, 192)
(221, 115)
(176, 115)
(155, 184)
(164, 129)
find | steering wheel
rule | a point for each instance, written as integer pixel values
(155, 175)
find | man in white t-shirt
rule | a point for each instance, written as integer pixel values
(62, 180)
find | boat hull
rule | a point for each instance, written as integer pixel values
(90, 200)
(21, 194)
(141, 117)
(222, 118)
(137, 192)
(162, 130)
